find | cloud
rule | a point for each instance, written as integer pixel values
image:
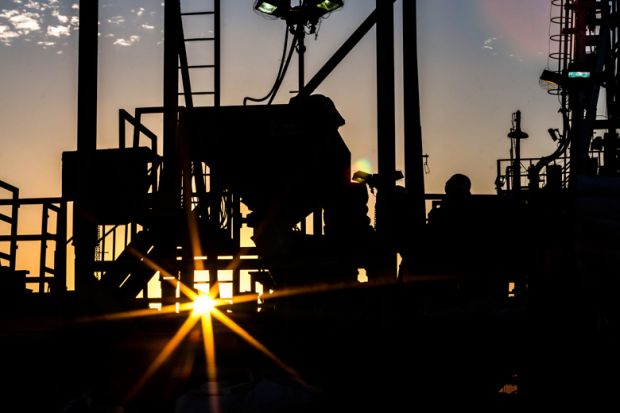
(44, 22)
(488, 43)
(26, 22)
(33, 5)
(116, 20)
(36, 22)
(126, 42)
(497, 48)
(58, 31)
(6, 35)
(61, 18)
(7, 14)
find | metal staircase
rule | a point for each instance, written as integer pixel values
(128, 272)
(125, 273)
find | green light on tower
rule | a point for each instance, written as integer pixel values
(329, 5)
(578, 75)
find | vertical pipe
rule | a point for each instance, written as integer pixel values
(301, 51)
(386, 140)
(414, 155)
(43, 248)
(122, 115)
(171, 81)
(236, 236)
(14, 224)
(84, 231)
(579, 135)
(169, 190)
(516, 169)
(87, 76)
(60, 254)
(217, 73)
(386, 145)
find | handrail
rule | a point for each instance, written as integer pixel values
(48, 205)
(8, 187)
(12, 220)
(124, 116)
(32, 201)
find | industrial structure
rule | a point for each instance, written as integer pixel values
(453, 323)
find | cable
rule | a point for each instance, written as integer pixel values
(281, 72)
(288, 60)
(271, 91)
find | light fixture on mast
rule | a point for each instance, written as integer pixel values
(300, 20)
(308, 12)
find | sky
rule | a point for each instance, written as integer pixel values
(479, 61)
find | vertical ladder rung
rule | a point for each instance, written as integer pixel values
(197, 93)
(199, 67)
(197, 13)
(212, 37)
(200, 39)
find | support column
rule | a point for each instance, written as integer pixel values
(168, 231)
(414, 154)
(386, 134)
(84, 229)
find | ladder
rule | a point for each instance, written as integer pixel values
(199, 52)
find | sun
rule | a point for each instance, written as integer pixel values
(203, 305)
(204, 308)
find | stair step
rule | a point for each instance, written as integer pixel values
(127, 262)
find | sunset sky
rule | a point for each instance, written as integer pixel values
(479, 62)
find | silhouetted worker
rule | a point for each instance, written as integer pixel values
(455, 206)
(452, 226)
(463, 236)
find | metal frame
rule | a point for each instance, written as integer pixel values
(169, 193)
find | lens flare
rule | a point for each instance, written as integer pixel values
(203, 305)
(363, 165)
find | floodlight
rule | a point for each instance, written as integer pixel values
(329, 5)
(276, 8)
(551, 77)
(361, 177)
(554, 133)
(308, 10)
